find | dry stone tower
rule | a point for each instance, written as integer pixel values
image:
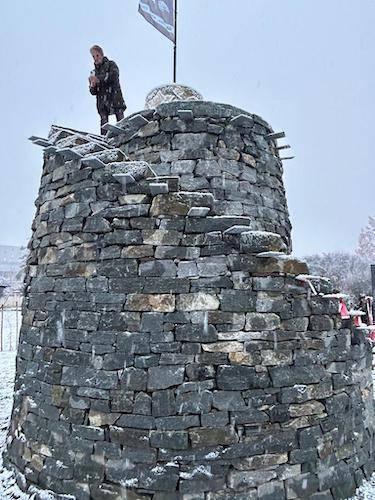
(171, 347)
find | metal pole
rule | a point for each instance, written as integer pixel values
(175, 43)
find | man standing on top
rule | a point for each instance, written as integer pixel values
(105, 84)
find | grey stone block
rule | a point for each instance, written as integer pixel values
(240, 377)
(174, 440)
(273, 490)
(198, 211)
(237, 300)
(194, 402)
(177, 423)
(228, 400)
(136, 421)
(158, 268)
(287, 376)
(89, 377)
(193, 141)
(164, 377)
(302, 487)
(163, 403)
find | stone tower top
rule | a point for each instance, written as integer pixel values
(171, 92)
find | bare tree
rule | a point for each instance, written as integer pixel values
(366, 242)
(349, 273)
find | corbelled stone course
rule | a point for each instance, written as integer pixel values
(170, 348)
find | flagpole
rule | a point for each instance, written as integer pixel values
(175, 43)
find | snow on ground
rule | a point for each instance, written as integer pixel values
(8, 488)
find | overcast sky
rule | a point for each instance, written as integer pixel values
(305, 66)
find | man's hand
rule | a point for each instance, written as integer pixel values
(93, 81)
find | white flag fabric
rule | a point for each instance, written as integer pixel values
(159, 13)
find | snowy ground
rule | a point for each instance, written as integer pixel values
(8, 489)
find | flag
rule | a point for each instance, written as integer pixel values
(159, 13)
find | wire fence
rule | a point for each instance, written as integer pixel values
(10, 323)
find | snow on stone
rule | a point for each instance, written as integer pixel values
(307, 277)
(200, 470)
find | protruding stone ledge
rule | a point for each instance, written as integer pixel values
(253, 242)
(101, 159)
(198, 212)
(261, 241)
(172, 182)
(129, 172)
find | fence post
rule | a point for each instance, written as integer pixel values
(16, 324)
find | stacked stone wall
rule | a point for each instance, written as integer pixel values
(216, 148)
(166, 354)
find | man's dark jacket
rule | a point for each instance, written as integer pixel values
(108, 93)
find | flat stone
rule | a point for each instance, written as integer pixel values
(161, 237)
(185, 114)
(187, 269)
(228, 400)
(137, 121)
(240, 480)
(158, 268)
(240, 377)
(262, 321)
(276, 358)
(158, 188)
(193, 142)
(271, 491)
(208, 168)
(237, 229)
(89, 377)
(194, 402)
(237, 300)
(273, 262)
(242, 120)
(98, 419)
(223, 347)
(125, 211)
(163, 403)
(165, 376)
(214, 223)
(177, 423)
(198, 212)
(261, 241)
(308, 408)
(133, 199)
(150, 302)
(173, 440)
(136, 421)
(283, 376)
(302, 487)
(199, 301)
(262, 461)
(202, 438)
(180, 203)
(196, 333)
